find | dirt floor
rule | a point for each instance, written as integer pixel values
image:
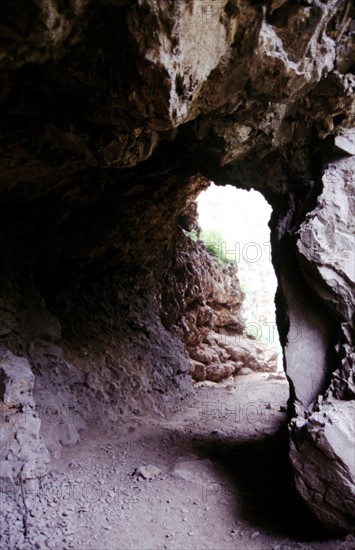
(213, 476)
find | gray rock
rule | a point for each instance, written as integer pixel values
(244, 371)
(22, 449)
(322, 455)
(148, 472)
(346, 143)
(16, 380)
(322, 442)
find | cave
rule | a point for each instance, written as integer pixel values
(115, 116)
(233, 224)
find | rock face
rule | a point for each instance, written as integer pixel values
(23, 454)
(323, 459)
(322, 449)
(201, 303)
(114, 115)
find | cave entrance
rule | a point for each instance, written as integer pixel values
(234, 227)
(243, 411)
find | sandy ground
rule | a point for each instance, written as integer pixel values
(213, 476)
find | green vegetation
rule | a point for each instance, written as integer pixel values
(214, 243)
(193, 235)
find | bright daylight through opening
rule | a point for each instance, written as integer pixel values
(234, 226)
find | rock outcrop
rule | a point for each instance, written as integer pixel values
(23, 455)
(114, 114)
(322, 448)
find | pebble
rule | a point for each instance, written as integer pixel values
(254, 535)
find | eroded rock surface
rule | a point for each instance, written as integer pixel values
(23, 456)
(323, 460)
(201, 303)
(322, 450)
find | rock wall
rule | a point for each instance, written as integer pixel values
(93, 337)
(114, 114)
(201, 303)
(322, 448)
(23, 454)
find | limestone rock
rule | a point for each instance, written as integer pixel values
(23, 453)
(204, 354)
(148, 472)
(322, 455)
(326, 239)
(346, 142)
(248, 353)
(217, 372)
(244, 370)
(16, 380)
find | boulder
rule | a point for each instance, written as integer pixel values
(23, 454)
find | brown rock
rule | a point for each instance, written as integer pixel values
(198, 371)
(216, 373)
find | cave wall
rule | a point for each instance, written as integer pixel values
(114, 114)
(322, 448)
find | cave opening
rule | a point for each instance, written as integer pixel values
(229, 320)
(241, 391)
(234, 226)
(243, 410)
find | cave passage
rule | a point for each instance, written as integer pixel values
(135, 379)
(234, 226)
